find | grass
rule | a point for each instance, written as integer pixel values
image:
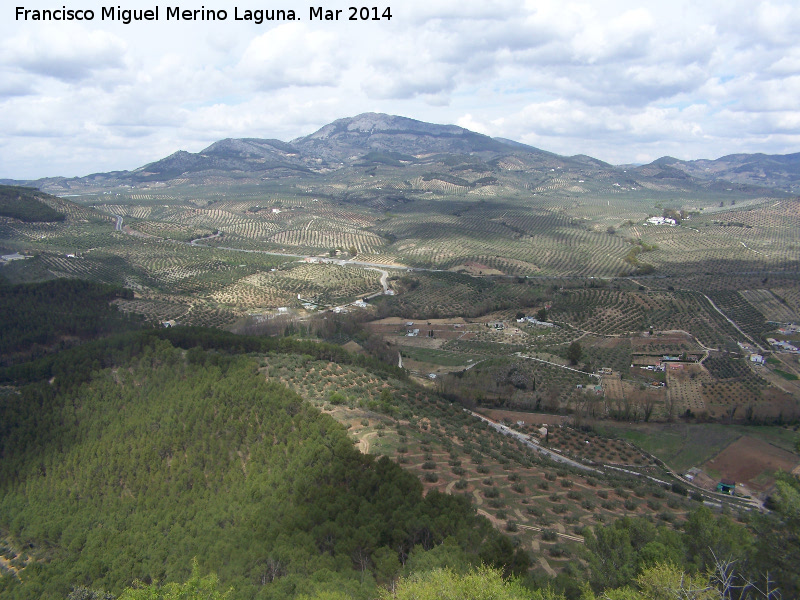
(439, 357)
(785, 375)
(681, 446)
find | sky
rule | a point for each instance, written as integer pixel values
(622, 81)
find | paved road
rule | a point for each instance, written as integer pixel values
(526, 440)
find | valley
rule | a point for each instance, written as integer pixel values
(508, 327)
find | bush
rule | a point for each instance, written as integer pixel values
(679, 488)
(491, 493)
(461, 484)
(548, 535)
(429, 465)
(511, 526)
(431, 477)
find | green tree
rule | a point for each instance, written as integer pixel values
(482, 583)
(574, 352)
(195, 588)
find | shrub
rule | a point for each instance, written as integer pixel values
(429, 465)
(680, 489)
(461, 484)
(548, 535)
(431, 477)
(491, 493)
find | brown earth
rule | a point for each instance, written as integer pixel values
(747, 460)
(528, 418)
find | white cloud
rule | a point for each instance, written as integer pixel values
(617, 79)
(53, 52)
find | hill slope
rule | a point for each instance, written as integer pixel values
(177, 454)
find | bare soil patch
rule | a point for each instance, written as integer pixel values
(528, 418)
(750, 460)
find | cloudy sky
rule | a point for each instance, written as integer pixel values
(620, 80)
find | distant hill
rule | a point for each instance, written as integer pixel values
(779, 171)
(340, 151)
(26, 204)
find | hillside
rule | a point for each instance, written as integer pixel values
(776, 171)
(124, 473)
(26, 204)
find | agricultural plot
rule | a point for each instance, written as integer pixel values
(751, 461)
(322, 284)
(685, 389)
(544, 505)
(771, 306)
(741, 312)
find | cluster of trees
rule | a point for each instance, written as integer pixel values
(38, 316)
(176, 453)
(22, 203)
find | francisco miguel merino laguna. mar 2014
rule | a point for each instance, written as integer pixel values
(175, 13)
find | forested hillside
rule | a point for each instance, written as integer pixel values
(24, 204)
(174, 454)
(39, 316)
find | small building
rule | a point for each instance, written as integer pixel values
(15, 256)
(726, 486)
(757, 359)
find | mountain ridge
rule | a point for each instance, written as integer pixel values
(377, 139)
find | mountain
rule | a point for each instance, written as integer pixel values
(370, 132)
(779, 171)
(340, 152)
